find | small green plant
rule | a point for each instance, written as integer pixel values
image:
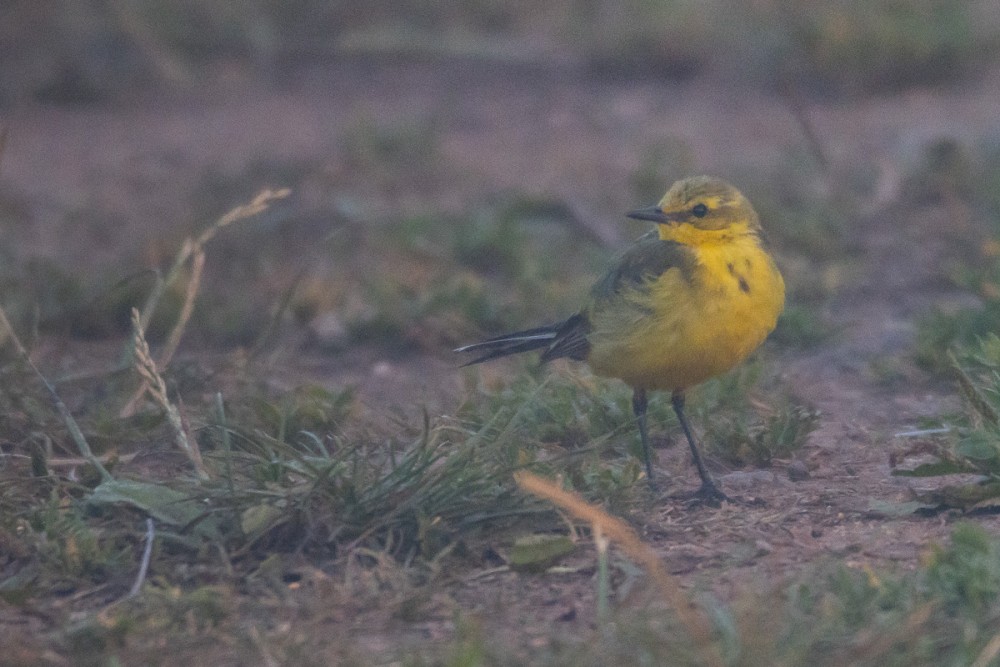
(971, 444)
(305, 409)
(742, 429)
(802, 326)
(72, 546)
(966, 576)
(939, 331)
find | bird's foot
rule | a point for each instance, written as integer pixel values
(708, 494)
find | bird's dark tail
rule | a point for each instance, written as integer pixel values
(512, 343)
(565, 339)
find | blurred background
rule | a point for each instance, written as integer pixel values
(458, 169)
(439, 152)
(85, 51)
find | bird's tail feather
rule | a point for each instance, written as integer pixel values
(512, 343)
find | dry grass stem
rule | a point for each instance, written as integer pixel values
(197, 267)
(194, 282)
(989, 653)
(192, 247)
(145, 366)
(192, 250)
(876, 646)
(74, 429)
(147, 553)
(619, 532)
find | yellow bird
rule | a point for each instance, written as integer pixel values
(677, 308)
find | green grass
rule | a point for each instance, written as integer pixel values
(937, 332)
(969, 440)
(588, 422)
(296, 472)
(299, 473)
(802, 326)
(280, 477)
(945, 613)
(310, 512)
(571, 424)
(315, 511)
(747, 419)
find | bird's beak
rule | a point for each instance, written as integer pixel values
(652, 213)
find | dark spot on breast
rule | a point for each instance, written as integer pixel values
(744, 285)
(748, 263)
(732, 269)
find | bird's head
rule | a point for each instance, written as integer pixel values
(700, 207)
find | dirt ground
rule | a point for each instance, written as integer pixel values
(138, 162)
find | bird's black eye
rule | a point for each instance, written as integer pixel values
(699, 210)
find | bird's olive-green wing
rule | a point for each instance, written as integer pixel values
(649, 258)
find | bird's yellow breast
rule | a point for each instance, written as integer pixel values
(685, 326)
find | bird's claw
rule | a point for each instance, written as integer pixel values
(708, 494)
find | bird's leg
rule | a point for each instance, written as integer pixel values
(639, 405)
(708, 492)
